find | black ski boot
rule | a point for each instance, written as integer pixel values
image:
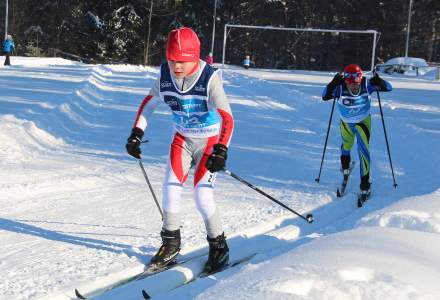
(218, 254)
(346, 168)
(168, 251)
(365, 190)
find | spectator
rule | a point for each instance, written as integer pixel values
(8, 48)
(209, 59)
(247, 62)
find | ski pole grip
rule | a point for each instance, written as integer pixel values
(227, 171)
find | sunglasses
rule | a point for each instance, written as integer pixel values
(352, 75)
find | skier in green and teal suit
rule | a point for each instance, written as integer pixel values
(352, 91)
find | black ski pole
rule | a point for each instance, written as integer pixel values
(151, 188)
(386, 139)
(308, 218)
(326, 139)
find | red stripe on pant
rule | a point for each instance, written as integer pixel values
(201, 169)
(176, 157)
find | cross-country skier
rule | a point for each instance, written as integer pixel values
(203, 126)
(352, 91)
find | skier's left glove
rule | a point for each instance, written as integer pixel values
(217, 160)
(133, 145)
(377, 81)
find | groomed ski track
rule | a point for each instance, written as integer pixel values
(276, 236)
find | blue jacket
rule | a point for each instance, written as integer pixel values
(8, 46)
(355, 108)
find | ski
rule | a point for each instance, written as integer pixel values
(340, 192)
(228, 266)
(204, 274)
(363, 197)
(149, 270)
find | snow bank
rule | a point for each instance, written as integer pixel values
(363, 263)
(420, 213)
(409, 61)
(40, 61)
(22, 139)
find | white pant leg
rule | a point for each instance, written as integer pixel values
(179, 163)
(204, 189)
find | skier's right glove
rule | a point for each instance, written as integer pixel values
(133, 145)
(338, 79)
(217, 160)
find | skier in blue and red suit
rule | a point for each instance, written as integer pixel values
(352, 91)
(203, 126)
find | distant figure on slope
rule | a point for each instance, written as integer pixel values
(247, 62)
(203, 126)
(8, 48)
(352, 92)
(209, 59)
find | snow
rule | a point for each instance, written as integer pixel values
(410, 66)
(409, 61)
(76, 211)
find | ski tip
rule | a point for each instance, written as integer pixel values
(309, 218)
(145, 295)
(78, 295)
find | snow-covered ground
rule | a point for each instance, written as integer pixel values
(76, 211)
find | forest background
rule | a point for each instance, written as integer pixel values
(116, 31)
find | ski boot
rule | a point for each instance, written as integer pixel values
(218, 254)
(346, 169)
(169, 250)
(363, 197)
(365, 190)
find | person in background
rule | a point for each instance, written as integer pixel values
(203, 126)
(247, 62)
(352, 91)
(209, 59)
(8, 48)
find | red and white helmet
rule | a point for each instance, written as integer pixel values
(183, 45)
(353, 74)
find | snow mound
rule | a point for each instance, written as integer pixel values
(408, 61)
(414, 213)
(22, 138)
(363, 263)
(41, 61)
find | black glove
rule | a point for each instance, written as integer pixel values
(377, 81)
(133, 145)
(217, 160)
(337, 80)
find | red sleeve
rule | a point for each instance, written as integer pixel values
(141, 109)
(227, 127)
